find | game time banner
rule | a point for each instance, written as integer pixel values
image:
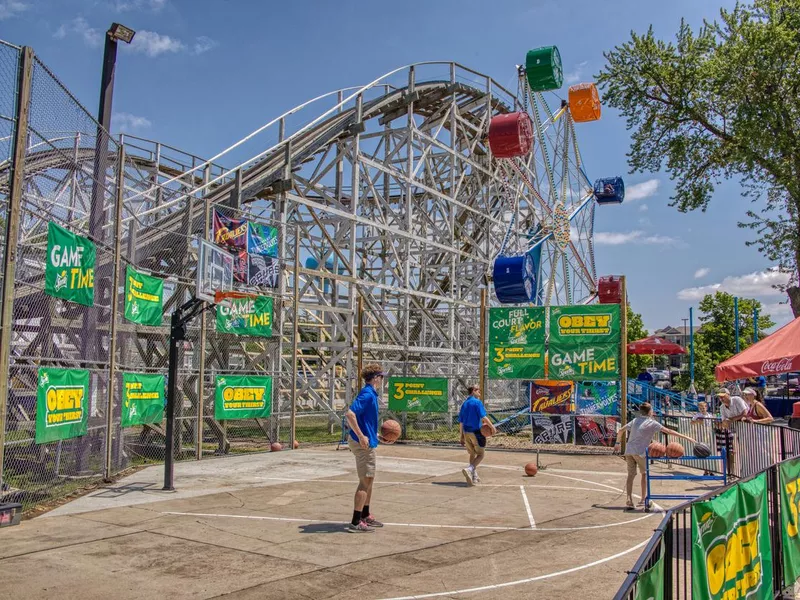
(516, 362)
(548, 396)
(579, 325)
(242, 397)
(790, 504)
(418, 394)
(583, 361)
(246, 316)
(731, 552)
(144, 297)
(61, 404)
(516, 326)
(142, 399)
(650, 584)
(69, 272)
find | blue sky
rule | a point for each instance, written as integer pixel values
(201, 74)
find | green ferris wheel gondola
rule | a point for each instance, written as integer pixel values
(543, 69)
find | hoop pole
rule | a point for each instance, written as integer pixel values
(623, 354)
(360, 336)
(295, 336)
(482, 377)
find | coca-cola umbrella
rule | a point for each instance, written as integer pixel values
(655, 345)
(778, 353)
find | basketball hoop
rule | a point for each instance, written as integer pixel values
(226, 297)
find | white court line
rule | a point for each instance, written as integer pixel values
(527, 507)
(521, 581)
(423, 525)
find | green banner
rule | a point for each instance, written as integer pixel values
(61, 404)
(418, 394)
(516, 326)
(597, 362)
(650, 584)
(144, 297)
(246, 316)
(731, 552)
(242, 397)
(516, 362)
(69, 272)
(595, 324)
(790, 504)
(142, 399)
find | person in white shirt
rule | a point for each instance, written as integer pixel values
(732, 408)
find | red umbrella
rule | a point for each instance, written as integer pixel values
(778, 353)
(655, 345)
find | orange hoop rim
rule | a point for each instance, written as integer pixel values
(221, 296)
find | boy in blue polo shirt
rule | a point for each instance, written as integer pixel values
(362, 417)
(470, 419)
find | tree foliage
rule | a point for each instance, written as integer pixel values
(636, 331)
(719, 103)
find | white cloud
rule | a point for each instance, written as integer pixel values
(645, 222)
(203, 44)
(701, 272)
(780, 312)
(752, 285)
(644, 208)
(640, 191)
(614, 238)
(152, 43)
(127, 123)
(576, 74)
(11, 8)
(80, 27)
(131, 5)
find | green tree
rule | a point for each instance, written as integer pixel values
(721, 103)
(704, 364)
(636, 331)
(718, 324)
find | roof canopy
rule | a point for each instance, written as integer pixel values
(778, 353)
(655, 345)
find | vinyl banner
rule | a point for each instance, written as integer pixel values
(731, 552)
(549, 396)
(596, 430)
(598, 398)
(418, 394)
(556, 429)
(579, 325)
(231, 233)
(241, 267)
(62, 402)
(650, 584)
(790, 503)
(142, 399)
(579, 362)
(242, 397)
(144, 297)
(246, 316)
(69, 272)
(516, 326)
(516, 362)
(262, 239)
(263, 272)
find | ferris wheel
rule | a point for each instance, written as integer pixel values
(547, 254)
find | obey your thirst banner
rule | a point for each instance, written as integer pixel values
(242, 397)
(61, 404)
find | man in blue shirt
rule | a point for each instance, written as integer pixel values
(470, 419)
(362, 417)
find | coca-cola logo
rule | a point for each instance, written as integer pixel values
(778, 366)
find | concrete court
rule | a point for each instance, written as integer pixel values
(272, 526)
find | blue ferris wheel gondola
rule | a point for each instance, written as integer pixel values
(515, 279)
(609, 190)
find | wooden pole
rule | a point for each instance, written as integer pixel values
(359, 337)
(295, 336)
(623, 353)
(482, 379)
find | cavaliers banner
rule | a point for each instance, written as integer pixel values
(550, 396)
(228, 232)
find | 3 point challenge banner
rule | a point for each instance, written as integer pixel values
(61, 404)
(142, 399)
(418, 394)
(144, 297)
(242, 397)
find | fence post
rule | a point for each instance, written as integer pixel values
(201, 383)
(295, 335)
(623, 357)
(668, 550)
(482, 350)
(783, 443)
(360, 336)
(776, 524)
(112, 341)
(14, 212)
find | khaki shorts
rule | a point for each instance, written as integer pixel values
(365, 459)
(471, 443)
(633, 461)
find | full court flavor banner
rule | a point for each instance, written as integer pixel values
(142, 399)
(242, 397)
(790, 505)
(69, 272)
(731, 552)
(61, 404)
(418, 394)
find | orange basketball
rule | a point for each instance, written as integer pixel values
(486, 431)
(674, 450)
(656, 450)
(275, 447)
(390, 431)
(531, 469)
(296, 445)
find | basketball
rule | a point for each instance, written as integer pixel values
(486, 431)
(656, 450)
(390, 431)
(296, 445)
(674, 450)
(701, 450)
(531, 469)
(275, 447)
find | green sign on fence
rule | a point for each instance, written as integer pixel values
(581, 362)
(69, 272)
(516, 326)
(61, 404)
(790, 504)
(595, 324)
(246, 316)
(142, 399)
(516, 362)
(418, 394)
(650, 585)
(731, 552)
(242, 397)
(144, 297)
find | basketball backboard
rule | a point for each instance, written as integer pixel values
(214, 271)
